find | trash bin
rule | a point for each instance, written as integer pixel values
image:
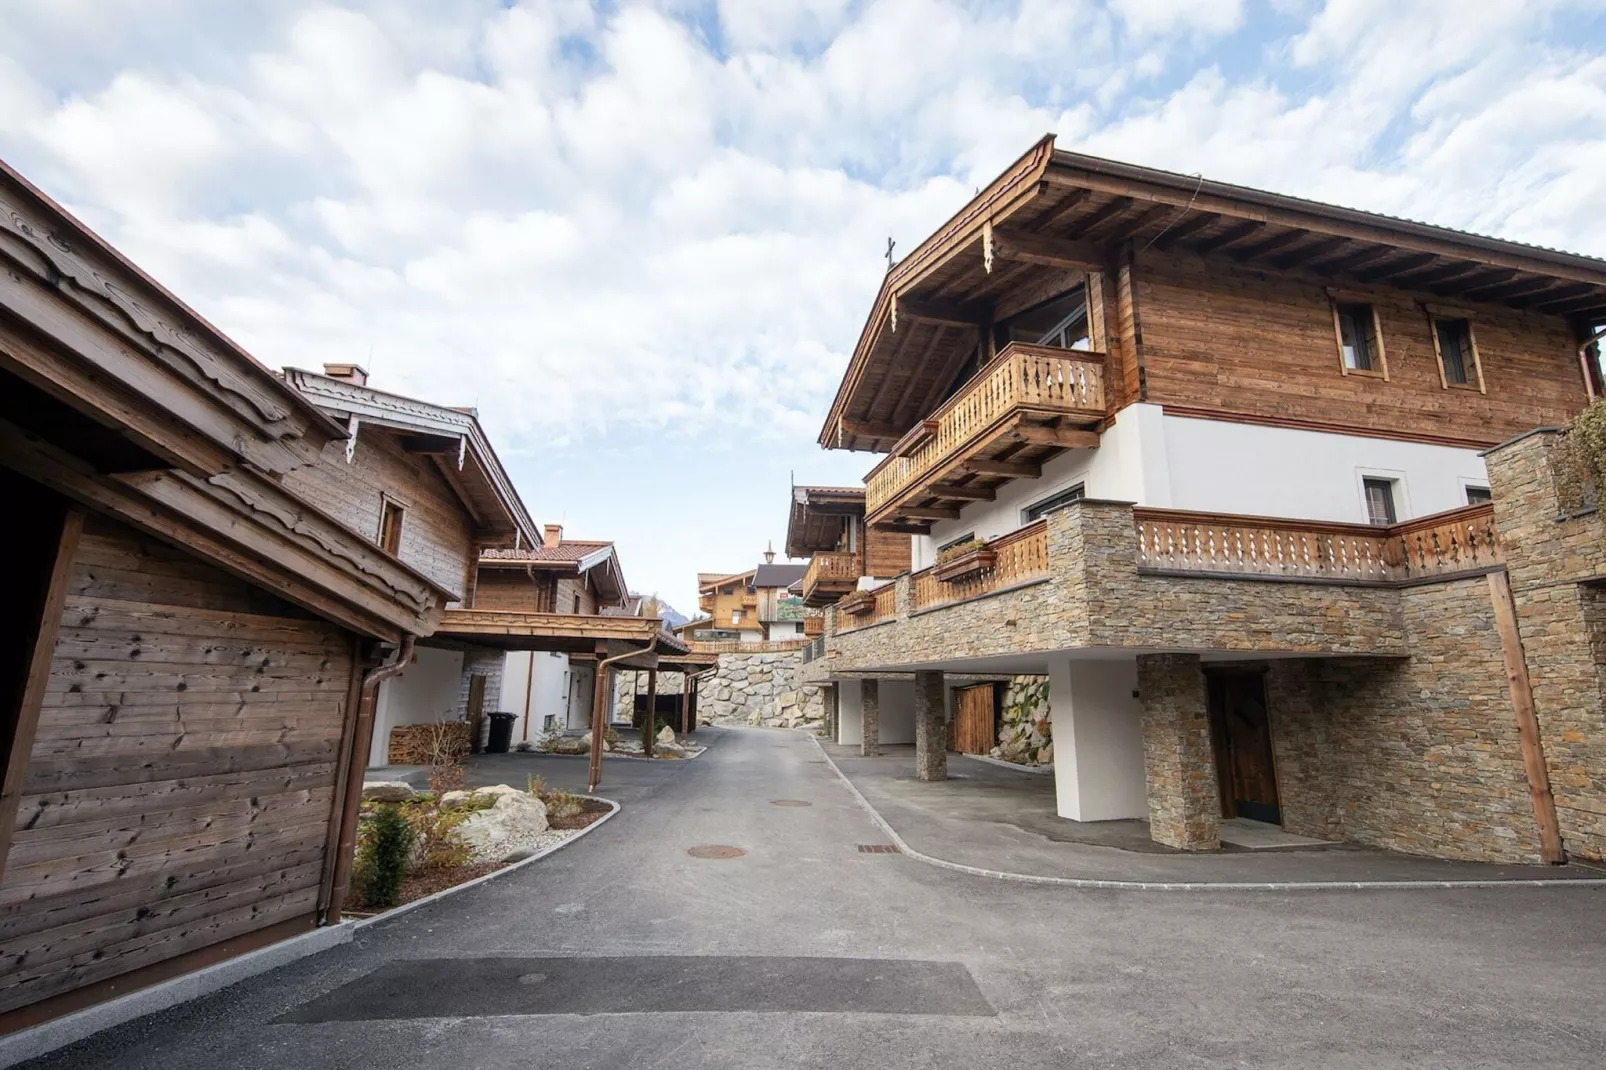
(501, 735)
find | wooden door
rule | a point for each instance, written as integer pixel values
(973, 729)
(1241, 727)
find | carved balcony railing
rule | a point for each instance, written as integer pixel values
(879, 605)
(1019, 556)
(1028, 402)
(831, 574)
(1459, 541)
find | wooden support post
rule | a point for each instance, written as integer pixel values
(1522, 701)
(650, 718)
(599, 699)
(687, 682)
(476, 710)
(46, 624)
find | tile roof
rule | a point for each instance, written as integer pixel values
(778, 575)
(568, 552)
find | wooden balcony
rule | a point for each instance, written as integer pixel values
(869, 607)
(1020, 556)
(1445, 544)
(831, 574)
(1029, 404)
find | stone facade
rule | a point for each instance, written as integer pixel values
(761, 689)
(1025, 730)
(1179, 762)
(870, 718)
(931, 728)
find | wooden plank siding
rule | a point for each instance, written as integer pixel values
(1222, 339)
(513, 591)
(437, 537)
(887, 553)
(181, 780)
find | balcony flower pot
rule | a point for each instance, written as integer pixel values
(857, 604)
(963, 565)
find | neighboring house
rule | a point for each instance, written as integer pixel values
(551, 691)
(191, 642)
(826, 525)
(1213, 460)
(755, 606)
(422, 481)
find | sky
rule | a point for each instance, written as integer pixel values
(642, 238)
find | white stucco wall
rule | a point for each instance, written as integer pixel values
(897, 712)
(1176, 462)
(427, 690)
(535, 686)
(786, 629)
(1098, 739)
(1315, 475)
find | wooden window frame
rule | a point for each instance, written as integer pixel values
(1346, 297)
(386, 504)
(1436, 313)
(1392, 483)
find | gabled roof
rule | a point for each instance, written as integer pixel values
(452, 437)
(815, 522)
(705, 580)
(778, 575)
(570, 555)
(1056, 210)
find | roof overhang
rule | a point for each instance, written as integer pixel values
(563, 633)
(815, 521)
(451, 437)
(1064, 214)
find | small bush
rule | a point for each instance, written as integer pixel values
(959, 550)
(611, 735)
(560, 805)
(439, 846)
(535, 785)
(382, 857)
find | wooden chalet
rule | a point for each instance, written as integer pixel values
(826, 526)
(1223, 462)
(192, 645)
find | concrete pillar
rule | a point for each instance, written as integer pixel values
(1178, 759)
(931, 729)
(1097, 730)
(870, 717)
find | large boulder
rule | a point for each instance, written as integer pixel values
(387, 791)
(513, 824)
(666, 735)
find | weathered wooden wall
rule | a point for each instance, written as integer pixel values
(568, 587)
(512, 590)
(886, 553)
(181, 783)
(1234, 340)
(437, 536)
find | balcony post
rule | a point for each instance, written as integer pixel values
(870, 716)
(1179, 759)
(931, 734)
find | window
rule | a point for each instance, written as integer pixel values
(1379, 501)
(1454, 338)
(1060, 322)
(390, 526)
(736, 616)
(577, 602)
(1478, 495)
(727, 590)
(1359, 345)
(1052, 502)
(1594, 361)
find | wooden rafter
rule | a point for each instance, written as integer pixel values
(1560, 293)
(1186, 229)
(1390, 268)
(1049, 252)
(1012, 469)
(1133, 227)
(1351, 261)
(1500, 291)
(1442, 272)
(1231, 236)
(1304, 253)
(1113, 209)
(967, 494)
(1067, 209)
(1487, 277)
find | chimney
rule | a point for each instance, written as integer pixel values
(348, 373)
(769, 552)
(551, 535)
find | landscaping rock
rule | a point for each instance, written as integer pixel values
(516, 821)
(666, 735)
(387, 791)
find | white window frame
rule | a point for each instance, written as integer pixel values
(1402, 496)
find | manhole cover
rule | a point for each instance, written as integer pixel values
(789, 802)
(715, 850)
(878, 848)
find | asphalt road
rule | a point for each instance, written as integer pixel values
(625, 951)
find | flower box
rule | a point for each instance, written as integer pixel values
(857, 604)
(962, 566)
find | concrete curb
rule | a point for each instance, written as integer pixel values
(504, 871)
(1186, 886)
(1034, 770)
(69, 1029)
(616, 756)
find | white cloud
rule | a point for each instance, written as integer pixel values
(1176, 18)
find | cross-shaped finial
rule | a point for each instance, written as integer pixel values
(890, 261)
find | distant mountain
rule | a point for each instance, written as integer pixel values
(673, 618)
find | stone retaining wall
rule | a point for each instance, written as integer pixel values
(759, 689)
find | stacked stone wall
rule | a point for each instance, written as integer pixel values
(760, 689)
(1178, 759)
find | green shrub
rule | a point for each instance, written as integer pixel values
(560, 804)
(535, 785)
(382, 857)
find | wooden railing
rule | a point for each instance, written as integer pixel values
(831, 565)
(1461, 540)
(777, 646)
(1021, 555)
(1021, 376)
(884, 608)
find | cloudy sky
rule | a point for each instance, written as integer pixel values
(642, 238)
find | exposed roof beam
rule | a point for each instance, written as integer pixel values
(925, 358)
(1560, 293)
(1350, 261)
(1309, 252)
(1390, 268)
(964, 494)
(1572, 305)
(1486, 277)
(1064, 437)
(1231, 236)
(1050, 252)
(950, 313)
(1014, 469)
(1516, 288)
(1133, 227)
(1114, 209)
(1268, 245)
(1442, 273)
(929, 512)
(1187, 228)
(1066, 209)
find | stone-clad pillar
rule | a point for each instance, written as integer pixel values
(1178, 759)
(870, 716)
(931, 735)
(830, 698)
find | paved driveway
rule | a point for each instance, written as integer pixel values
(625, 951)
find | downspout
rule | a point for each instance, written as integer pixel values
(599, 703)
(362, 740)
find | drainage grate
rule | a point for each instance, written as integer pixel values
(715, 850)
(878, 849)
(789, 802)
